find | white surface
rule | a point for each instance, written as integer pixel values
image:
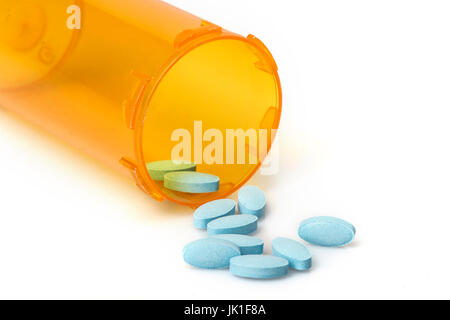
(364, 136)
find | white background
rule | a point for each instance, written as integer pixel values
(364, 136)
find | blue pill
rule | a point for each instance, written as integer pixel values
(247, 244)
(191, 182)
(259, 266)
(236, 224)
(293, 251)
(213, 210)
(210, 253)
(326, 231)
(251, 200)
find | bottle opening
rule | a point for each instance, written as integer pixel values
(212, 108)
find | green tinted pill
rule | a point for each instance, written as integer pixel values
(158, 169)
(191, 182)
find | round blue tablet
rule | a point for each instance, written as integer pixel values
(210, 253)
(326, 231)
(191, 182)
(259, 266)
(247, 244)
(213, 210)
(251, 200)
(293, 251)
(236, 224)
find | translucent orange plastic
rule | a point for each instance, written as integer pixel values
(136, 70)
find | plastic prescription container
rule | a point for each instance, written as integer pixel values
(116, 78)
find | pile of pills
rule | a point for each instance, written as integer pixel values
(229, 244)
